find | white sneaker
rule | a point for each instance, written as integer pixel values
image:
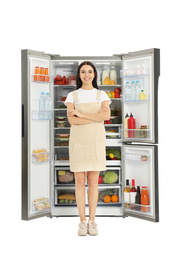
(82, 231)
(92, 228)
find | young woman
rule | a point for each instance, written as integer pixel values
(87, 108)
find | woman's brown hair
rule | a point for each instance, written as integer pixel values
(78, 80)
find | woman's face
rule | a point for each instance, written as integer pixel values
(87, 74)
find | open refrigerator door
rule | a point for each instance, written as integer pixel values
(36, 136)
(140, 96)
(140, 163)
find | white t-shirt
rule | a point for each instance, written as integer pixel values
(87, 96)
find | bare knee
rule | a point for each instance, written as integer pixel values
(92, 180)
(80, 180)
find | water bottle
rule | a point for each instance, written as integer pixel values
(42, 106)
(138, 90)
(48, 106)
(127, 91)
(133, 92)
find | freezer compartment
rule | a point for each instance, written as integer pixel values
(109, 196)
(63, 176)
(112, 176)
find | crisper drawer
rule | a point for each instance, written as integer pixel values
(111, 176)
(65, 196)
(63, 176)
(108, 196)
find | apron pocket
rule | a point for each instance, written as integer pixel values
(77, 152)
(100, 151)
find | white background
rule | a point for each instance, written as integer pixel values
(92, 28)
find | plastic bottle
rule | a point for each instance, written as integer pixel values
(144, 199)
(138, 89)
(142, 96)
(48, 106)
(133, 90)
(127, 91)
(42, 106)
(113, 74)
(125, 123)
(131, 125)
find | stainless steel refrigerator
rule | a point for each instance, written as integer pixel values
(45, 134)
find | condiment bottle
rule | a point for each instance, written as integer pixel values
(36, 72)
(133, 193)
(131, 125)
(113, 74)
(142, 96)
(144, 199)
(42, 71)
(125, 123)
(127, 195)
(47, 78)
(137, 198)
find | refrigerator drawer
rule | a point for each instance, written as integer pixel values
(109, 196)
(63, 176)
(65, 196)
(111, 176)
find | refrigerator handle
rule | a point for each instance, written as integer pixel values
(22, 120)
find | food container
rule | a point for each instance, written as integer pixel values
(41, 204)
(62, 142)
(61, 118)
(60, 123)
(144, 158)
(143, 133)
(65, 176)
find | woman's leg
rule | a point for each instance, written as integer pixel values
(93, 193)
(80, 193)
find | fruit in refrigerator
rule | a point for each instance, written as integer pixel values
(114, 198)
(107, 199)
(106, 81)
(100, 179)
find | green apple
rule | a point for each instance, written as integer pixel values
(109, 95)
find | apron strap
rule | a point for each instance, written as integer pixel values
(75, 96)
(98, 94)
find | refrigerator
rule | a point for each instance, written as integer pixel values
(45, 135)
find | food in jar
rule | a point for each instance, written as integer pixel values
(41, 204)
(143, 157)
(61, 118)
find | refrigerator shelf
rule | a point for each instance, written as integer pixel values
(42, 115)
(117, 85)
(67, 86)
(137, 133)
(137, 207)
(128, 73)
(40, 78)
(42, 157)
(113, 162)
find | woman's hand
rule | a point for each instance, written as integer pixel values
(74, 112)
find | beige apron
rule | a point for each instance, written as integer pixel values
(87, 142)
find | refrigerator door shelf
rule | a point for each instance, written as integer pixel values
(136, 134)
(134, 72)
(41, 205)
(137, 208)
(44, 79)
(143, 158)
(42, 157)
(123, 99)
(42, 115)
